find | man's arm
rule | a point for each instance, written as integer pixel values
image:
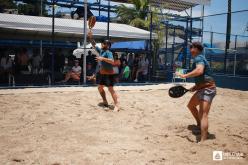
(107, 60)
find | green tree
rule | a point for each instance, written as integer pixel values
(136, 15)
(32, 7)
(6, 4)
(139, 16)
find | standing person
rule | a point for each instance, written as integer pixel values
(143, 68)
(204, 86)
(116, 65)
(125, 74)
(106, 73)
(135, 66)
(130, 60)
(91, 59)
(22, 60)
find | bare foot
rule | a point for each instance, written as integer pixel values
(116, 109)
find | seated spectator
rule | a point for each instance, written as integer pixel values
(125, 72)
(74, 73)
(66, 68)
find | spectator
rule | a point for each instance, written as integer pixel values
(143, 68)
(135, 66)
(125, 73)
(90, 74)
(46, 61)
(116, 65)
(130, 60)
(123, 58)
(74, 73)
(36, 62)
(59, 61)
(71, 59)
(5, 65)
(91, 59)
(22, 60)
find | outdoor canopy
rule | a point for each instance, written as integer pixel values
(34, 27)
(177, 5)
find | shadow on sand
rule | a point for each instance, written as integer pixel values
(197, 132)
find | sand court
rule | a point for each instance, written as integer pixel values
(66, 126)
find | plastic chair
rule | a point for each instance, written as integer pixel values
(179, 70)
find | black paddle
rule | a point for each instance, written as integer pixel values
(177, 91)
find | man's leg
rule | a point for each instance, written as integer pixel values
(103, 94)
(193, 103)
(203, 115)
(115, 97)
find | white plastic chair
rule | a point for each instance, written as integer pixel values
(179, 70)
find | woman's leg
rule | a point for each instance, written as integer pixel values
(67, 76)
(137, 74)
(75, 76)
(193, 103)
(203, 115)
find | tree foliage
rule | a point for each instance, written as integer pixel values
(32, 7)
(6, 4)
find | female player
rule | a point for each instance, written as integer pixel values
(204, 86)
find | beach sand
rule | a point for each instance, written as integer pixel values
(64, 126)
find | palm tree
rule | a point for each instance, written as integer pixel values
(136, 15)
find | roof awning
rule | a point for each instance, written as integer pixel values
(33, 27)
(177, 5)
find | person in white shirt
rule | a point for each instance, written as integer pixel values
(5, 64)
(143, 68)
(74, 73)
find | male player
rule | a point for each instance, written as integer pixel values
(106, 74)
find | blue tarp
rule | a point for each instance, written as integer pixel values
(36, 43)
(130, 45)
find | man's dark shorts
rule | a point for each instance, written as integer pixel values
(104, 79)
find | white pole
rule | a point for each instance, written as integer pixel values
(202, 22)
(41, 13)
(85, 39)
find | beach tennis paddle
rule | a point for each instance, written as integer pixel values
(91, 22)
(177, 91)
